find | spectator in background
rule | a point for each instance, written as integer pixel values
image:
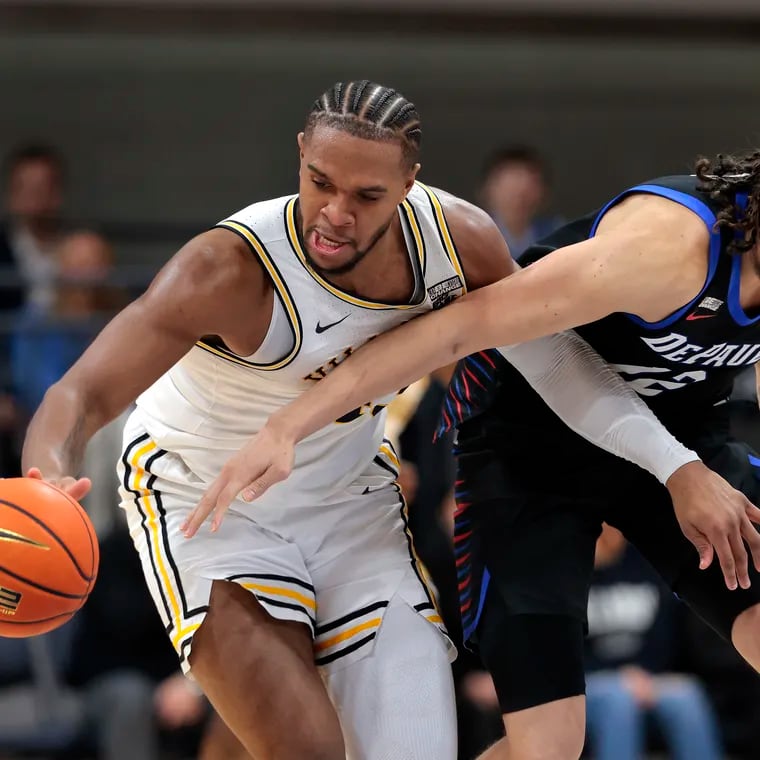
(514, 191)
(48, 340)
(32, 228)
(630, 652)
(28, 230)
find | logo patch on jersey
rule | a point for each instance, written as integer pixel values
(321, 328)
(713, 304)
(441, 293)
(710, 304)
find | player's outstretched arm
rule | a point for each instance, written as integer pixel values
(571, 286)
(135, 349)
(647, 264)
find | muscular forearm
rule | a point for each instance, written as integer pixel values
(58, 433)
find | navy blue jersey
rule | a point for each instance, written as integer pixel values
(680, 365)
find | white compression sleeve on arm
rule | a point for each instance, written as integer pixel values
(593, 400)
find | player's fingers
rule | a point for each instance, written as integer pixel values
(78, 489)
(726, 558)
(740, 557)
(752, 537)
(202, 510)
(273, 474)
(753, 512)
(226, 497)
(34, 472)
(703, 546)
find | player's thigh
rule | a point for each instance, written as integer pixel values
(398, 702)
(259, 674)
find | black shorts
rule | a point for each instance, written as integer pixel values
(529, 514)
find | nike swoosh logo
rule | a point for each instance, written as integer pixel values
(322, 328)
(17, 538)
(692, 317)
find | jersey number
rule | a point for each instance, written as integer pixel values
(642, 381)
(354, 414)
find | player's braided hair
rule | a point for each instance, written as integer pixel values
(370, 111)
(722, 178)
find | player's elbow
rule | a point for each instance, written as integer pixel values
(80, 401)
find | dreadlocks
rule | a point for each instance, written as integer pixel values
(722, 179)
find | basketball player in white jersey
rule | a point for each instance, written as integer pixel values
(305, 613)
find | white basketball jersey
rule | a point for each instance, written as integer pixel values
(212, 401)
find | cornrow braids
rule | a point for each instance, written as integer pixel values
(369, 111)
(723, 179)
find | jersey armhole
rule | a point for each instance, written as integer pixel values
(283, 294)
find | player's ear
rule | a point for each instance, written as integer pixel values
(301, 139)
(410, 178)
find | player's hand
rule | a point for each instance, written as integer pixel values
(640, 685)
(77, 488)
(265, 460)
(717, 519)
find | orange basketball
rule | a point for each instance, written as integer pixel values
(48, 557)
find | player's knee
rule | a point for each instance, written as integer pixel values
(745, 635)
(534, 659)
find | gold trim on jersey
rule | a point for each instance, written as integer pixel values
(144, 497)
(410, 214)
(443, 230)
(295, 243)
(280, 591)
(348, 633)
(281, 289)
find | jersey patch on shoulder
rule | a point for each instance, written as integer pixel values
(441, 293)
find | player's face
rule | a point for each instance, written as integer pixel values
(350, 189)
(34, 191)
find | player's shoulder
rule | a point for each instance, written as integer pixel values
(663, 220)
(265, 219)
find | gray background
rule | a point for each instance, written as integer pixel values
(177, 126)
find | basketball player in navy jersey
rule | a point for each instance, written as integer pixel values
(664, 282)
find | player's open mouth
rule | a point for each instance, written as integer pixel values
(325, 245)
